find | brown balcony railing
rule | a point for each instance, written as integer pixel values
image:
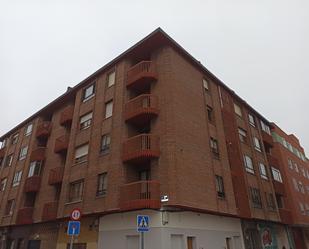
(141, 147)
(66, 116)
(141, 74)
(142, 108)
(285, 216)
(50, 211)
(61, 144)
(139, 195)
(43, 130)
(55, 176)
(24, 216)
(267, 138)
(32, 184)
(38, 154)
(279, 188)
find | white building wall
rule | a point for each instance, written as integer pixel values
(169, 230)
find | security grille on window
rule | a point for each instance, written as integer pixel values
(237, 110)
(89, 92)
(242, 135)
(3, 184)
(265, 127)
(17, 178)
(85, 121)
(111, 79)
(8, 160)
(263, 171)
(105, 143)
(108, 109)
(15, 138)
(102, 184)
(251, 119)
(257, 144)
(34, 169)
(248, 164)
(23, 152)
(256, 197)
(9, 207)
(28, 129)
(81, 153)
(276, 174)
(220, 186)
(214, 147)
(76, 191)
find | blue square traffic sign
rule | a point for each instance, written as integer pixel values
(142, 223)
(74, 228)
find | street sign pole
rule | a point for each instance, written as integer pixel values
(142, 241)
(72, 238)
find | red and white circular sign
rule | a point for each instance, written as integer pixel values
(75, 214)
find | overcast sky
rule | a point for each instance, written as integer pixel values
(258, 48)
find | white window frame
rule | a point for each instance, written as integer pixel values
(23, 153)
(85, 121)
(248, 166)
(17, 178)
(111, 78)
(263, 171)
(257, 144)
(81, 153)
(205, 84)
(86, 96)
(237, 110)
(33, 167)
(251, 119)
(109, 106)
(276, 174)
(265, 127)
(28, 129)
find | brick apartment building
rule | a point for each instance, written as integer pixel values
(151, 132)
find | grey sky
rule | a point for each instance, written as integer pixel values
(258, 48)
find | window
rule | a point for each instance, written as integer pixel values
(290, 163)
(28, 129)
(17, 178)
(76, 191)
(108, 109)
(276, 174)
(303, 171)
(263, 171)
(301, 187)
(270, 201)
(23, 153)
(295, 184)
(15, 138)
(88, 92)
(85, 121)
(296, 167)
(256, 197)
(210, 114)
(279, 200)
(265, 127)
(214, 147)
(3, 184)
(9, 207)
(111, 79)
(8, 160)
(34, 169)
(251, 119)
(302, 209)
(257, 144)
(242, 135)
(237, 110)
(248, 164)
(3, 143)
(81, 153)
(102, 184)
(220, 186)
(205, 84)
(105, 144)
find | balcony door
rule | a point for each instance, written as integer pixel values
(144, 176)
(34, 244)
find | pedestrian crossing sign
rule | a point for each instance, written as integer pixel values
(142, 223)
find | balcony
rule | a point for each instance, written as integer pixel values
(66, 116)
(141, 148)
(142, 109)
(141, 75)
(267, 138)
(38, 154)
(140, 195)
(50, 211)
(279, 188)
(55, 176)
(32, 184)
(285, 216)
(61, 144)
(24, 216)
(43, 130)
